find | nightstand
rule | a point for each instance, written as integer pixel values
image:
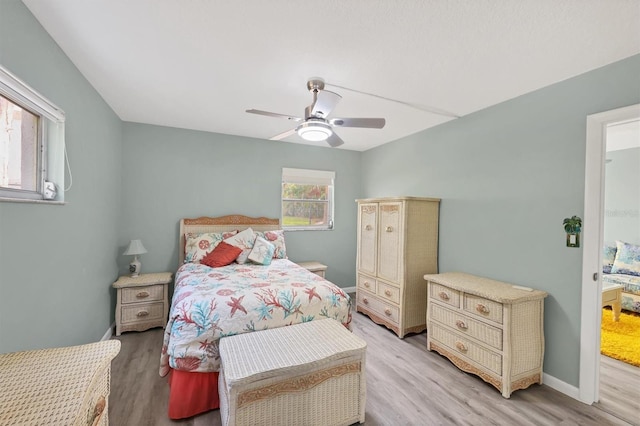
(315, 267)
(142, 302)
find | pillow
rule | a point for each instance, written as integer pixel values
(262, 251)
(198, 246)
(608, 256)
(243, 240)
(277, 239)
(222, 255)
(243, 256)
(627, 259)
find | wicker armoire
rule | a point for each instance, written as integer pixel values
(397, 246)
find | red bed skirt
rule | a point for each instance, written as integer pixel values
(192, 393)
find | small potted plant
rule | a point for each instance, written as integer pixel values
(572, 227)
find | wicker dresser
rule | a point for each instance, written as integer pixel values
(397, 245)
(60, 386)
(488, 328)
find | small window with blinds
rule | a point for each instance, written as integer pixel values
(31, 143)
(307, 199)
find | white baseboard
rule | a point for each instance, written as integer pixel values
(349, 289)
(109, 332)
(561, 386)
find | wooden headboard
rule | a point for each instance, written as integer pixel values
(220, 224)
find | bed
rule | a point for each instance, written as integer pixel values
(210, 303)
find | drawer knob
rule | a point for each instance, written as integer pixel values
(365, 301)
(461, 347)
(387, 292)
(389, 229)
(387, 312)
(368, 228)
(142, 314)
(142, 294)
(461, 325)
(443, 295)
(366, 284)
(482, 309)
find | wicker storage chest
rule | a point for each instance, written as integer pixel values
(397, 245)
(305, 374)
(62, 386)
(488, 328)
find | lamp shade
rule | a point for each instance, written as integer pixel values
(135, 248)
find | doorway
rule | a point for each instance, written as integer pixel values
(593, 234)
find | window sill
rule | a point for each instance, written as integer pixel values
(25, 200)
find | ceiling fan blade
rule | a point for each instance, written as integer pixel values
(283, 135)
(334, 140)
(372, 123)
(324, 103)
(273, 114)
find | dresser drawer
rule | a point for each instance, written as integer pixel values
(382, 308)
(367, 283)
(444, 294)
(467, 326)
(466, 348)
(483, 308)
(142, 294)
(389, 292)
(142, 312)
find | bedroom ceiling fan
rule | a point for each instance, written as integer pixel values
(315, 126)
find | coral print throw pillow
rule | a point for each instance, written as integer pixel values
(243, 240)
(197, 246)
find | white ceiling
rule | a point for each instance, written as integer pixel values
(200, 64)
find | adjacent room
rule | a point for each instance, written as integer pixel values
(247, 212)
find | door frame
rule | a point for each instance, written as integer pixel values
(593, 238)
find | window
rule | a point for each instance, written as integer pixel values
(31, 142)
(307, 199)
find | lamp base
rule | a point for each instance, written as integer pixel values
(134, 267)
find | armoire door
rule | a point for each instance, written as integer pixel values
(390, 239)
(367, 237)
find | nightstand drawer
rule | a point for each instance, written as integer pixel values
(142, 312)
(142, 294)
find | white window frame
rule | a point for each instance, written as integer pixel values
(50, 149)
(310, 177)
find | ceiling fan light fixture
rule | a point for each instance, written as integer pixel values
(314, 131)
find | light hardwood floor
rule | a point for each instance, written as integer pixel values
(406, 385)
(620, 389)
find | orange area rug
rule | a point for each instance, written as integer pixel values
(621, 340)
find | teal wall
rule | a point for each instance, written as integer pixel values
(169, 174)
(622, 196)
(508, 175)
(57, 262)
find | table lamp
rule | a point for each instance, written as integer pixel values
(135, 248)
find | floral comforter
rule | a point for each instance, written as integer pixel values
(210, 303)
